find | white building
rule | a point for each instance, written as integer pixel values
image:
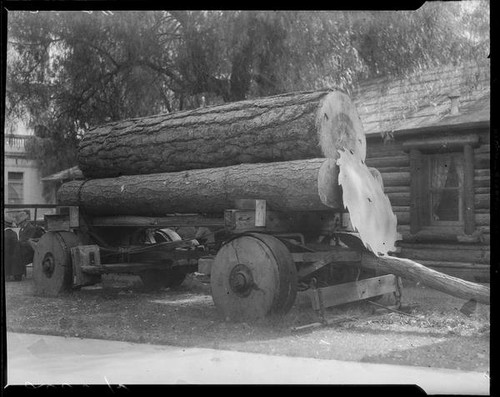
(22, 177)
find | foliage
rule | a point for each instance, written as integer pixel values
(68, 71)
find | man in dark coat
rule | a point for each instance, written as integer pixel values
(14, 269)
(27, 231)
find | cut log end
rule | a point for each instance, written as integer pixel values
(339, 126)
(328, 184)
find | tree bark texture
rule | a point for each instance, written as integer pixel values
(411, 270)
(300, 185)
(273, 129)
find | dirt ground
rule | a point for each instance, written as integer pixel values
(435, 334)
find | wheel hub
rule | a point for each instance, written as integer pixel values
(241, 280)
(48, 265)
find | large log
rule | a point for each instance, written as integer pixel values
(300, 185)
(273, 129)
(396, 178)
(414, 271)
(388, 161)
(478, 255)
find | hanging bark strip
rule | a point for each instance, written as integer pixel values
(369, 208)
(280, 128)
(301, 185)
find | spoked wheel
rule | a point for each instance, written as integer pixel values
(52, 266)
(252, 276)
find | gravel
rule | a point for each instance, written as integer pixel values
(435, 334)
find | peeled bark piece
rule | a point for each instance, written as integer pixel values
(369, 208)
(301, 185)
(274, 129)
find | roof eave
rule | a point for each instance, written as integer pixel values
(462, 127)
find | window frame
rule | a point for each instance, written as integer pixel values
(11, 182)
(418, 149)
(430, 190)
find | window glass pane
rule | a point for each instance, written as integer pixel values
(452, 178)
(446, 171)
(446, 205)
(446, 182)
(15, 176)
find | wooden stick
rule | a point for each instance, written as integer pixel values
(411, 270)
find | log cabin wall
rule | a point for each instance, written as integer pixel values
(449, 250)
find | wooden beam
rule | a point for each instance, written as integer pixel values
(168, 221)
(132, 267)
(351, 292)
(469, 221)
(388, 161)
(325, 258)
(441, 143)
(400, 198)
(479, 255)
(436, 245)
(396, 178)
(416, 199)
(260, 213)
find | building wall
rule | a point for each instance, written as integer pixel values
(15, 161)
(446, 252)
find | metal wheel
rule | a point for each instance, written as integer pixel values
(252, 276)
(287, 271)
(52, 266)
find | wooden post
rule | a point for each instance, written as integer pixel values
(73, 217)
(260, 213)
(416, 186)
(469, 210)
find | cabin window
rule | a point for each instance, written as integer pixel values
(445, 187)
(442, 185)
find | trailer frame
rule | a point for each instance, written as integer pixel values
(280, 233)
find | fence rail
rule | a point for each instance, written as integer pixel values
(16, 141)
(30, 206)
(23, 206)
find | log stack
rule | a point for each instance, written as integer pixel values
(281, 149)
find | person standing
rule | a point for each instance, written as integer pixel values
(14, 270)
(27, 231)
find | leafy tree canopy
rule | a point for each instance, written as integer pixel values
(68, 71)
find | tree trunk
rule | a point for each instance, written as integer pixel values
(411, 270)
(279, 128)
(301, 185)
